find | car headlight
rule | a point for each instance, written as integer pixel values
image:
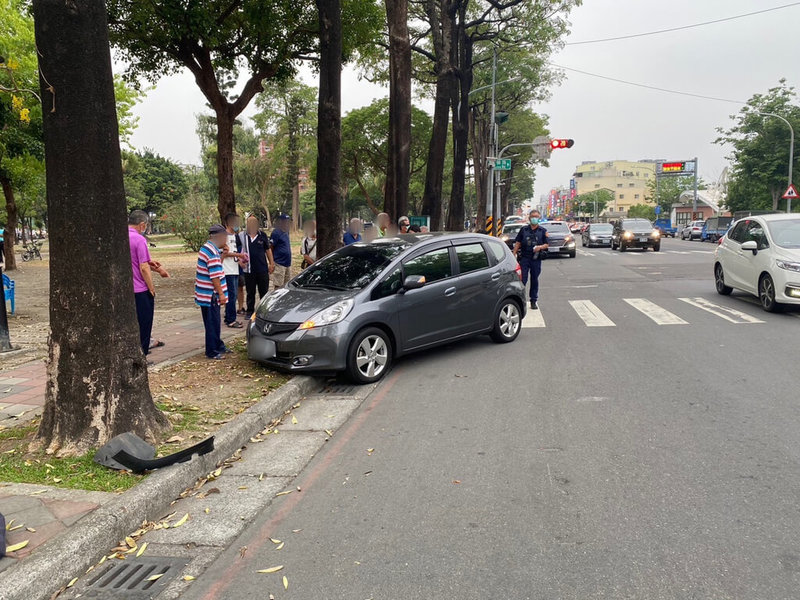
(333, 314)
(656, 233)
(504, 238)
(789, 266)
(593, 238)
(627, 235)
(568, 239)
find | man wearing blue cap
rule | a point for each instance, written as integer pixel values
(281, 251)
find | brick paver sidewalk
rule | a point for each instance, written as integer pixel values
(22, 388)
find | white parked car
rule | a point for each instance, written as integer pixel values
(761, 256)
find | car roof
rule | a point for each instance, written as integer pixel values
(414, 239)
(775, 217)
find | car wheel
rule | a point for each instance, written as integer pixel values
(719, 281)
(507, 323)
(370, 355)
(622, 247)
(572, 254)
(766, 294)
(657, 247)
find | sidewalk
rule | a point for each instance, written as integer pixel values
(22, 388)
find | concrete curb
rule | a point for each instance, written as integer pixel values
(68, 555)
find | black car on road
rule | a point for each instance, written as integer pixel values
(361, 306)
(559, 239)
(597, 234)
(635, 233)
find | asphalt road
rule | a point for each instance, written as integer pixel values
(639, 440)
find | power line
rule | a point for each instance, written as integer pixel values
(681, 28)
(648, 87)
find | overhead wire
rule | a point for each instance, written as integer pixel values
(683, 27)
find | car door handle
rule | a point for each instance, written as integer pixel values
(496, 276)
(450, 292)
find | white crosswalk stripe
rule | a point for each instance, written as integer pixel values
(591, 315)
(533, 319)
(659, 315)
(723, 312)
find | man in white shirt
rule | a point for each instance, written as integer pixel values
(231, 255)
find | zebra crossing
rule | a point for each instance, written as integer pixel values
(583, 252)
(593, 316)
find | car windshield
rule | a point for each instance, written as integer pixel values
(636, 224)
(350, 268)
(601, 228)
(785, 233)
(556, 228)
(512, 229)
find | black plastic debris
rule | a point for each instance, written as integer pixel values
(128, 451)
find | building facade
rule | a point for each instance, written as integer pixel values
(626, 180)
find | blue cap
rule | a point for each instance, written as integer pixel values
(284, 217)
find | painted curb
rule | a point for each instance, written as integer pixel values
(72, 552)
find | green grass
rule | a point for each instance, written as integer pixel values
(80, 473)
(17, 433)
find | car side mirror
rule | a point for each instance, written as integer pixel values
(750, 245)
(413, 282)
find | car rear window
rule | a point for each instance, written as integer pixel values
(556, 227)
(471, 257)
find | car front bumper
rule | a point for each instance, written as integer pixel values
(640, 242)
(565, 249)
(787, 286)
(322, 349)
(599, 242)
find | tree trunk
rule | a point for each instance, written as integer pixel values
(329, 128)
(460, 100)
(479, 133)
(226, 202)
(10, 234)
(398, 174)
(441, 17)
(97, 383)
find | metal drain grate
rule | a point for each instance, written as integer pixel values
(340, 389)
(134, 578)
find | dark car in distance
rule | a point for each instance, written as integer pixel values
(361, 306)
(635, 233)
(597, 234)
(559, 239)
(509, 233)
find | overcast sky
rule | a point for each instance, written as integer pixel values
(607, 120)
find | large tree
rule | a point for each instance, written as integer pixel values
(329, 127)
(399, 160)
(97, 383)
(760, 149)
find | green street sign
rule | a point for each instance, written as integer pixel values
(502, 164)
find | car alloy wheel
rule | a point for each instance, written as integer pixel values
(508, 322)
(766, 294)
(719, 281)
(370, 355)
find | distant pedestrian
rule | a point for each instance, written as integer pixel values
(370, 232)
(529, 247)
(143, 266)
(308, 247)
(353, 233)
(281, 251)
(210, 290)
(259, 265)
(382, 221)
(231, 255)
(403, 224)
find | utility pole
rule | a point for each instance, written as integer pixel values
(694, 200)
(491, 203)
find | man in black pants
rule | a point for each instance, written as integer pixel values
(255, 244)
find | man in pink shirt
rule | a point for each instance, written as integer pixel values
(143, 266)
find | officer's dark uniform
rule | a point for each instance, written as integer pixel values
(531, 262)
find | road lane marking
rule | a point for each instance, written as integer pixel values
(661, 316)
(702, 252)
(723, 312)
(591, 315)
(533, 319)
(678, 252)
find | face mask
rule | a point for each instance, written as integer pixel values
(236, 228)
(534, 221)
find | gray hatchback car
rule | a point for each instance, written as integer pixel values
(360, 307)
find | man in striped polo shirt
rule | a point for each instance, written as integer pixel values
(210, 290)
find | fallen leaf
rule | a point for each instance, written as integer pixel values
(16, 547)
(155, 577)
(131, 542)
(141, 550)
(242, 551)
(283, 493)
(175, 439)
(242, 487)
(31, 529)
(296, 530)
(71, 583)
(271, 597)
(294, 420)
(57, 480)
(285, 583)
(279, 546)
(456, 481)
(329, 432)
(182, 521)
(208, 511)
(370, 450)
(15, 527)
(188, 578)
(261, 477)
(36, 493)
(102, 560)
(274, 541)
(8, 524)
(271, 569)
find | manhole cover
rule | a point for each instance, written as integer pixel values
(143, 577)
(340, 389)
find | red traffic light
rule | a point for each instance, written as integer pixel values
(556, 144)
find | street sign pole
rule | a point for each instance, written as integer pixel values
(694, 201)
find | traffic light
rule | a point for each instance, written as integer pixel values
(556, 144)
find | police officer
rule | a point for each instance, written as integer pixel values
(528, 247)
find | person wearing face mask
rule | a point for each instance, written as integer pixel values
(528, 247)
(231, 255)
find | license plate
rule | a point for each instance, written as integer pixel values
(644, 239)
